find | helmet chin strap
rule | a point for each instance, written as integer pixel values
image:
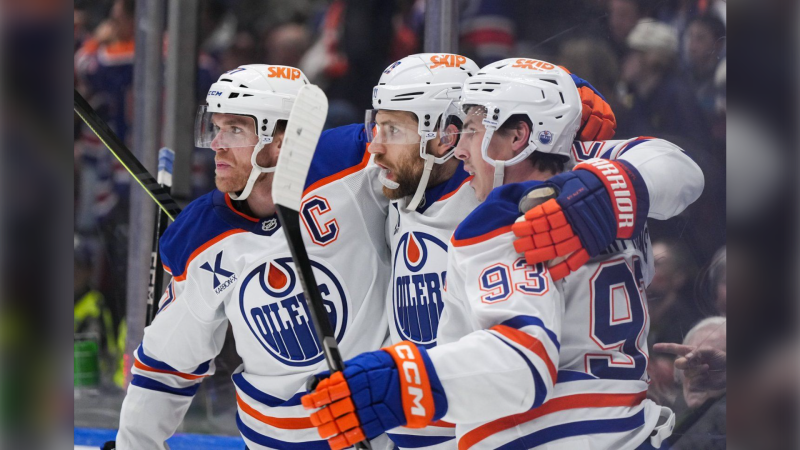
(254, 173)
(499, 173)
(423, 183)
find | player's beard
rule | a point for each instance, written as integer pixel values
(236, 178)
(407, 173)
(234, 181)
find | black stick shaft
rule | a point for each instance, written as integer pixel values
(290, 219)
(156, 272)
(128, 160)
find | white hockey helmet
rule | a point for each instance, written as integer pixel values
(423, 84)
(263, 92)
(540, 90)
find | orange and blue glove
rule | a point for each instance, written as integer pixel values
(598, 122)
(596, 203)
(377, 391)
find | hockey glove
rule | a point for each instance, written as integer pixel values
(597, 202)
(377, 391)
(598, 122)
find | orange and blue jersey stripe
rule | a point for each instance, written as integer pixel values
(494, 216)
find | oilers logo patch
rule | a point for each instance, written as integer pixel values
(417, 286)
(273, 305)
(545, 137)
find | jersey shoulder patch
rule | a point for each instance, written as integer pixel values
(494, 216)
(340, 152)
(196, 228)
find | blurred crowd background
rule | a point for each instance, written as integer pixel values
(661, 65)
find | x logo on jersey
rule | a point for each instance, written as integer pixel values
(217, 270)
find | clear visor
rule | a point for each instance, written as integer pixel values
(461, 121)
(218, 130)
(391, 127)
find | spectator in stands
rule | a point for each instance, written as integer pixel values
(623, 15)
(594, 60)
(657, 100)
(701, 371)
(286, 44)
(487, 30)
(670, 294)
(241, 51)
(704, 42)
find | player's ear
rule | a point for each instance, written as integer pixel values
(520, 135)
(437, 148)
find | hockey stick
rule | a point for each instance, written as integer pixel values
(299, 142)
(166, 158)
(159, 194)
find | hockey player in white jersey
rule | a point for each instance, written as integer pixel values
(429, 197)
(231, 264)
(501, 373)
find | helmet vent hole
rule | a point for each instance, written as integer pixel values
(226, 79)
(233, 95)
(243, 86)
(247, 95)
(408, 94)
(381, 84)
(487, 90)
(562, 97)
(558, 117)
(550, 81)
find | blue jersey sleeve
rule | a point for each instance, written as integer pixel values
(340, 152)
(194, 227)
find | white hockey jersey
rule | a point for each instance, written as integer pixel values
(527, 362)
(231, 268)
(419, 240)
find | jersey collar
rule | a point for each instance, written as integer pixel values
(266, 226)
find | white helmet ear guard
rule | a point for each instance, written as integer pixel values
(260, 93)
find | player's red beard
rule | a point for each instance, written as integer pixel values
(235, 178)
(407, 172)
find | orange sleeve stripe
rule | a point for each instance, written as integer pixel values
(230, 205)
(450, 194)
(442, 424)
(186, 376)
(339, 175)
(531, 343)
(290, 423)
(481, 238)
(554, 405)
(204, 247)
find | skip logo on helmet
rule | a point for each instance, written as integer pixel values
(533, 64)
(289, 73)
(447, 61)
